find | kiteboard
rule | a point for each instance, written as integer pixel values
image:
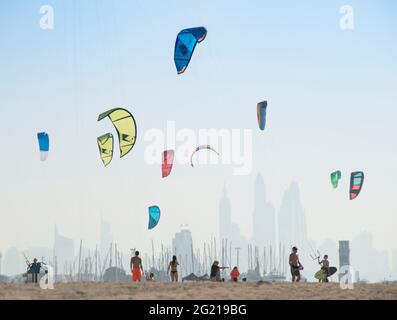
(322, 274)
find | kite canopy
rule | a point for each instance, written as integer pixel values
(203, 147)
(261, 114)
(125, 126)
(105, 144)
(335, 177)
(44, 145)
(154, 216)
(356, 183)
(185, 44)
(168, 160)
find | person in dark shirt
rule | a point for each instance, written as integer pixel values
(34, 269)
(216, 271)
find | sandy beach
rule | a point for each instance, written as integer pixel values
(199, 291)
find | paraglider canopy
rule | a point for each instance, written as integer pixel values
(125, 126)
(44, 145)
(335, 177)
(356, 183)
(105, 144)
(202, 147)
(185, 44)
(168, 160)
(154, 216)
(261, 114)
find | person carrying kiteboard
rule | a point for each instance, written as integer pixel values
(325, 267)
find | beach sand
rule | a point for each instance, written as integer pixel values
(198, 291)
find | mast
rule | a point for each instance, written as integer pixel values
(153, 265)
(264, 261)
(238, 255)
(111, 255)
(79, 272)
(215, 248)
(191, 247)
(96, 263)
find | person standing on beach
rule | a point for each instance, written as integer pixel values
(34, 269)
(136, 267)
(216, 271)
(173, 265)
(325, 267)
(295, 265)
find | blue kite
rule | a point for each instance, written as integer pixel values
(185, 44)
(261, 114)
(44, 145)
(154, 216)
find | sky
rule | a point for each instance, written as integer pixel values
(331, 105)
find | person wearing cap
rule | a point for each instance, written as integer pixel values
(216, 271)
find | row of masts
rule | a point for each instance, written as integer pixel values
(92, 266)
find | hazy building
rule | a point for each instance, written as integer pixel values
(344, 253)
(182, 246)
(13, 262)
(225, 217)
(63, 249)
(292, 221)
(264, 221)
(239, 241)
(230, 236)
(373, 264)
(106, 237)
(394, 263)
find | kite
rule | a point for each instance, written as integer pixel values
(356, 183)
(185, 44)
(201, 148)
(335, 177)
(154, 216)
(168, 160)
(105, 144)
(125, 126)
(261, 114)
(44, 145)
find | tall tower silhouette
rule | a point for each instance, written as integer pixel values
(292, 221)
(264, 221)
(225, 217)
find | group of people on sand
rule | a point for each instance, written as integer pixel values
(295, 265)
(137, 270)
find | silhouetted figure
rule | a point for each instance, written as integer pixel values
(34, 269)
(216, 271)
(136, 267)
(173, 265)
(295, 265)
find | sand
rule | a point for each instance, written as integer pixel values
(198, 291)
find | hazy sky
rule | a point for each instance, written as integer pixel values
(332, 105)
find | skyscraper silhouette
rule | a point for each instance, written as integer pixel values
(292, 222)
(225, 217)
(264, 221)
